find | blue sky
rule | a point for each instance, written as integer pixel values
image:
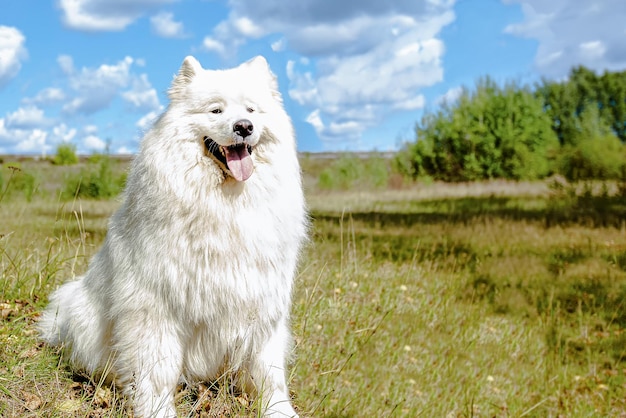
(354, 75)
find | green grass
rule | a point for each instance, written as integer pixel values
(486, 299)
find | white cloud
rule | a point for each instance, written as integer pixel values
(7, 139)
(45, 97)
(4, 133)
(322, 27)
(142, 96)
(279, 45)
(342, 129)
(213, 45)
(357, 91)
(88, 78)
(164, 25)
(229, 34)
(409, 49)
(316, 121)
(417, 102)
(451, 96)
(12, 53)
(77, 104)
(368, 59)
(592, 50)
(93, 143)
(550, 60)
(303, 88)
(66, 63)
(246, 27)
(62, 133)
(573, 33)
(27, 118)
(23, 140)
(90, 129)
(380, 75)
(105, 15)
(95, 88)
(77, 16)
(34, 141)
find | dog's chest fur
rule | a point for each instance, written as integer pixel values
(224, 258)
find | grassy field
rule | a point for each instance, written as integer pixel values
(485, 300)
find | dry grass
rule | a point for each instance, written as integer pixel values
(493, 299)
(364, 200)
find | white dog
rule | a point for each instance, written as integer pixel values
(195, 275)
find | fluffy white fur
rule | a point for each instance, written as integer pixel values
(195, 275)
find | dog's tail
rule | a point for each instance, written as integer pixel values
(71, 321)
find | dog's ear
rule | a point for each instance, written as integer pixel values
(189, 69)
(258, 64)
(261, 69)
(187, 72)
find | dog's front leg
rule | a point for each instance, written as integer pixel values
(267, 372)
(149, 363)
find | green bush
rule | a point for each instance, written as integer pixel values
(377, 169)
(25, 183)
(65, 155)
(593, 151)
(352, 171)
(96, 182)
(492, 132)
(17, 182)
(601, 158)
(342, 174)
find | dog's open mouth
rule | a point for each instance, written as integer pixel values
(234, 159)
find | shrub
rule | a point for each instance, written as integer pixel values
(352, 171)
(65, 155)
(493, 132)
(98, 183)
(17, 182)
(594, 158)
(342, 174)
(593, 152)
(377, 169)
(26, 183)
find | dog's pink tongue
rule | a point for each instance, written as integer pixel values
(239, 162)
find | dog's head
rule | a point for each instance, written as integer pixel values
(226, 110)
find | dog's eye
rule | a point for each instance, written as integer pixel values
(216, 111)
(250, 110)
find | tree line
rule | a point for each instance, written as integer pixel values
(575, 127)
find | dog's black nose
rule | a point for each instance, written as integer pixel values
(243, 128)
